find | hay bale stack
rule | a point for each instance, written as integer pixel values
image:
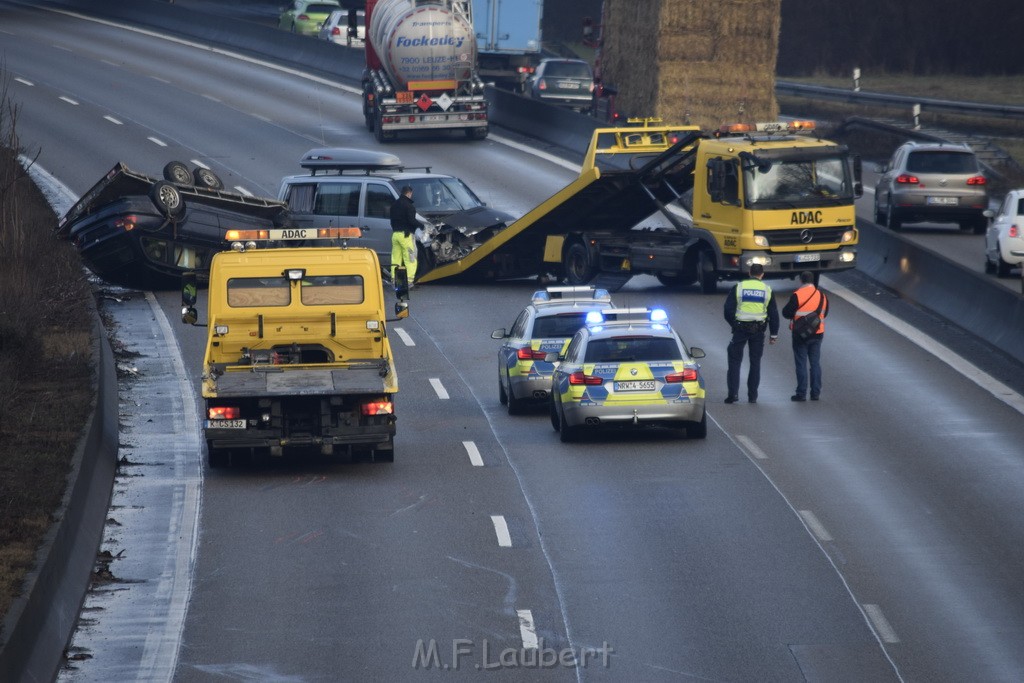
(693, 61)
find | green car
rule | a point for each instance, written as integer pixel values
(306, 16)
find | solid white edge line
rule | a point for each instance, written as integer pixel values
(815, 525)
(438, 388)
(157, 141)
(501, 531)
(527, 630)
(881, 625)
(751, 447)
(474, 453)
(404, 336)
(943, 353)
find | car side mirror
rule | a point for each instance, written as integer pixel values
(988, 213)
(499, 334)
(697, 352)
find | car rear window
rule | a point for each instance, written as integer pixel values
(632, 349)
(942, 162)
(567, 70)
(561, 325)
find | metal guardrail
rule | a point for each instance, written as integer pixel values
(887, 100)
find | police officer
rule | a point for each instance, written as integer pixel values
(804, 301)
(749, 309)
(403, 226)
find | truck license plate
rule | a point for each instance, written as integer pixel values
(807, 258)
(635, 385)
(226, 424)
(942, 201)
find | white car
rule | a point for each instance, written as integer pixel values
(1004, 239)
(335, 28)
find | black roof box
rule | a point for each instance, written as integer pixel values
(347, 159)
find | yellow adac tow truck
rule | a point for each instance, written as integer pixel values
(770, 193)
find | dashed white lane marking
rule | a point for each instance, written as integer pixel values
(943, 353)
(406, 339)
(114, 121)
(160, 80)
(157, 141)
(751, 447)
(882, 626)
(110, 62)
(242, 190)
(442, 393)
(527, 630)
(474, 453)
(501, 530)
(815, 525)
(211, 98)
(199, 164)
(68, 100)
(24, 82)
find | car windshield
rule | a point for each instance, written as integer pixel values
(562, 325)
(798, 181)
(632, 349)
(941, 162)
(567, 70)
(441, 194)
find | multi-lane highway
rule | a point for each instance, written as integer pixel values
(874, 535)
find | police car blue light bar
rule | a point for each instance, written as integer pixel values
(594, 318)
(570, 294)
(633, 315)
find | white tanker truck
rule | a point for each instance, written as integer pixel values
(421, 68)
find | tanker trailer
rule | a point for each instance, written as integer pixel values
(421, 68)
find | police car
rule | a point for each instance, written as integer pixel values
(628, 368)
(545, 326)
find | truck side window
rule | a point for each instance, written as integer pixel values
(378, 201)
(732, 184)
(338, 199)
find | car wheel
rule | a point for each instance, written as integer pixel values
(879, 216)
(706, 272)
(566, 434)
(515, 406)
(167, 198)
(698, 430)
(178, 173)
(579, 270)
(892, 219)
(204, 177)
(553, 410)
(502, 396)
(1002, 267)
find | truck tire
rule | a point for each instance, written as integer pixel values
(216, 458)
(385, 454)
(166, 198)
(477, 133)
(706, 272)
(178, 173)
(204, 177)
(681, 279)
(579, 266)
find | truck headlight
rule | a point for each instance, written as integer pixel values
(760, 240)
(849, 236)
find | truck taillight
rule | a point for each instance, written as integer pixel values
(583, 378)
(378, 408)
(527, 353)
(977, 180)
(687, 375)
(224, 412)
(905, 179)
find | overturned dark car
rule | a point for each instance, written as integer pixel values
(136, 230)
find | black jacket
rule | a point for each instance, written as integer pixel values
(403, 215)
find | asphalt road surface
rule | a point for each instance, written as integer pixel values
(874, 535)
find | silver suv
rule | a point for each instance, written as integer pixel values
(355, 187)
(935, 183)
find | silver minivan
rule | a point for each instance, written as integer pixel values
(355, 188)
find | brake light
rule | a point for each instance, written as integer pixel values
(977, 180)
(687, 375)
(582, 378)
(126, 223)
(527, 353)
(335, 31)
(223, 412)
(541, 85)
(905, 179)
(303, 17)
(1014, 231)
(378, 408)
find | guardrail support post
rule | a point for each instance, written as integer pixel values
(917, 117)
